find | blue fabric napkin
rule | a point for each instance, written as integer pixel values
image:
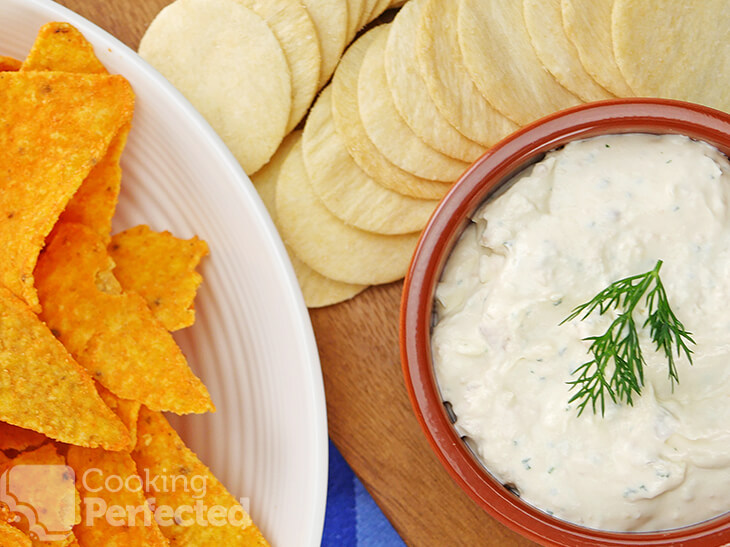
(352, 519)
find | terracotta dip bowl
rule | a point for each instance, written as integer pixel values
(481, 181)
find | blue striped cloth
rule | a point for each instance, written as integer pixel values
(352, 519)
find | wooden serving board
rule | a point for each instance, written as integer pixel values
(369, 413)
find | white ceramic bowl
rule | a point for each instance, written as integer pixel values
(252, 343)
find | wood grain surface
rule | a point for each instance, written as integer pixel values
(370, 417)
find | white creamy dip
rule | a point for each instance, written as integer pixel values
(589, 214)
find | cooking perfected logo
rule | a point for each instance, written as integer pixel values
(166, 499)
(41, 499)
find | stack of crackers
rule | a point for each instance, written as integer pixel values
(417, 96)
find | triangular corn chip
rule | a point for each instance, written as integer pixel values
(127, 411)
(60, 47)
(160, 268)
(57, 126)
(111, 333)
(42, 388)
(94, 203)
(161, 453)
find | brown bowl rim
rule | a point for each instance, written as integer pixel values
(482, 179)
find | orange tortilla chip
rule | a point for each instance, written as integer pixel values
(19, 439)
(42, 496)
(160, 268)
(60, 47)
(94, 203)
(12, 537)
(111, 333)
(42, 388)
(184, 484)
(53, 128)
(9, 64)
(127, 411)
(107, 481)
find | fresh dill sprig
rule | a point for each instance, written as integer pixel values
(619, 345)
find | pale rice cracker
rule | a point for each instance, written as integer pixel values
(363, 151)
(409, 90)
(346, 190)
(328, 245)
(448, 81)
(587, 24)
(293, 27)
(330, 22)
(388, 130)
(366, 11)
(678, 50)
(378, 9)
(544, 21)
(499, 55)
(354, 11)
(230, 66)
(318, 290)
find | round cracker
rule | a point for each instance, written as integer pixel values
(227, 62)
(499, 56)
(328, 245)
(345, 189)
(387, 129)
(293, 27)
(265, 179)
(448, 81)
(544, 22)
(587, 25)
(330, 22)
(318, 290)
(674, 49)
(409, 91)
(354, 11)
(349, 126)
(365, 12)
(378, 9)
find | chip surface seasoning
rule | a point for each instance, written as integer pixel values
(226, 61)
(42, 388)
(56, 127)
(111, 332)
(161, 268)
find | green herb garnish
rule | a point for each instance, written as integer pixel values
(619, 345)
